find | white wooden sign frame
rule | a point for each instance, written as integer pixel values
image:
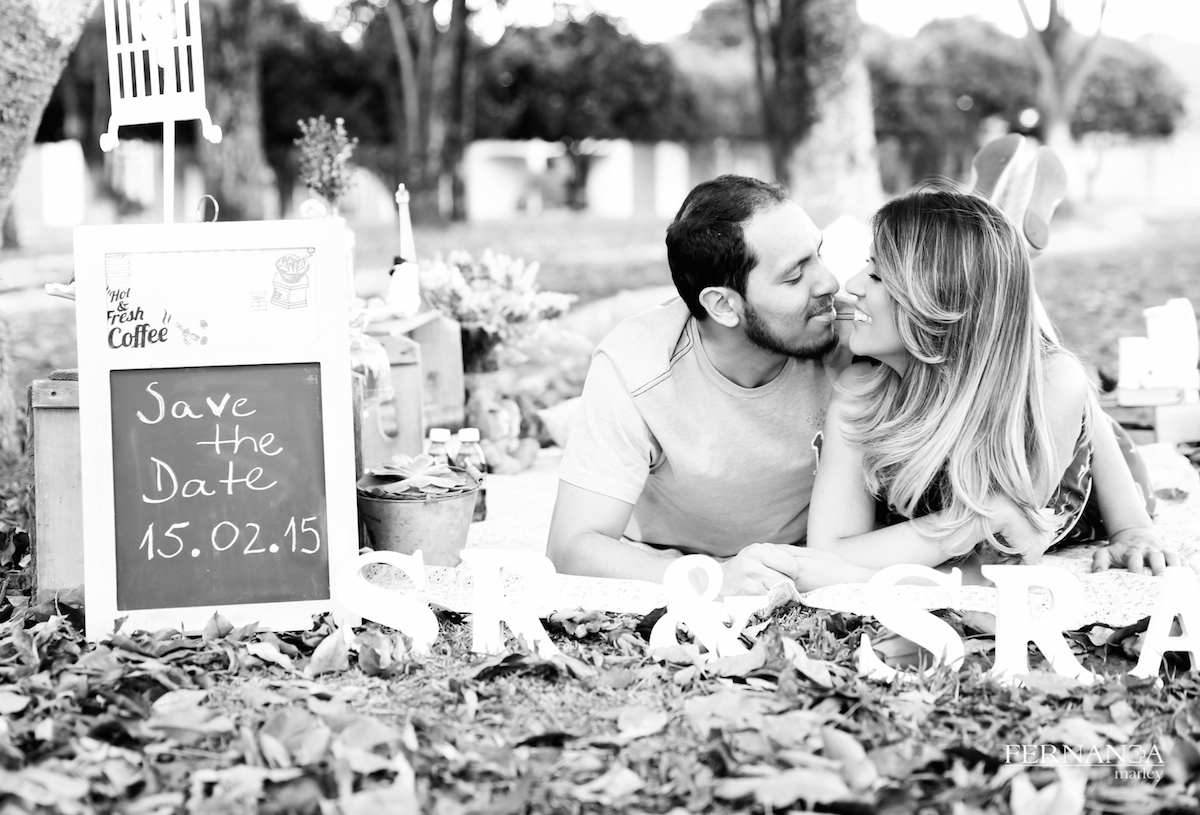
(308, 325)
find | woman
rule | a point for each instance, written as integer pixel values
(973, 429)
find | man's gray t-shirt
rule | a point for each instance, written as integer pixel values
(709, 466)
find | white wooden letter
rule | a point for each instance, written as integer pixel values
(1015, 626)
(408, 614)
(699, 609)
(1180, 595)
(493, 607)
(918, 625)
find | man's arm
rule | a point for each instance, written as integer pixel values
(585, 533)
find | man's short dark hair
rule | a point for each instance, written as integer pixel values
(706, 243)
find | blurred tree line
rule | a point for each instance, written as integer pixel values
(415, 84)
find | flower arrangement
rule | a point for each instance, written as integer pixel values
(415, 478)
(493, 298)
(325, 152)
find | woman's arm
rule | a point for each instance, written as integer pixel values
(1132, 540)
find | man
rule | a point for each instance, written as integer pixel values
(699, 426)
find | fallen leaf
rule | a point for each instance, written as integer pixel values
(786, 788)
(331, 656)
(980, 622)
(638, 722)
(792, 728)
(739, 665)
(379, 653)
(11, 703)
(303, 736)
(37, 785)
(725, 710)
(1079, 733)
(178, 700)
(1063, 796)
(610, 789)
(1170, 493)
(1054, 685)
(268, 652)
(857, 769)
(216, 628)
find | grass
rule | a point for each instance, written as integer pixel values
(1097, 296)
(579, 255)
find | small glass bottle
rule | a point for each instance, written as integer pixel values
(404, 286)
(437, 449)
(470, 457)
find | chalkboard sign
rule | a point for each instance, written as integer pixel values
(221, 497)
(216, 422)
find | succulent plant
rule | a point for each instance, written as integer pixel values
(414, 478)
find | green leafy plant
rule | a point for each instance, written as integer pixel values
(415, 478)
(493, 297)
(325, 152)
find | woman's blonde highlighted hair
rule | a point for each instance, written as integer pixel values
(967, 419)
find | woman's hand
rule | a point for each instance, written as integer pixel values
(816, 568)
(1137, 549)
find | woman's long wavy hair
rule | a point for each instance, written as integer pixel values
(967, 419)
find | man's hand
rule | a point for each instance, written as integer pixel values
(816, 568)
(756, 569)
(1137, 549)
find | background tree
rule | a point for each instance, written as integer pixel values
(432, 84)
(1063, 58)
(1129, 92)
(36, 38)
(574, 81)
(236, 170)
(309, 70)
(717, 57)
(801, 48)
(936, 92)
(1130, 95)
(939, 93)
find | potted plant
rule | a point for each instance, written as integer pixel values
(325, 152)
(416, 502)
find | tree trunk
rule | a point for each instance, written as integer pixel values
(9, 238)
(835, 168)
(456, 128)
(236, 171)
(36, 37)
(409, 89)
(767, 84)
(1062, 70)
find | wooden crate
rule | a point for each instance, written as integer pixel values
(54, 444)
(440, 339)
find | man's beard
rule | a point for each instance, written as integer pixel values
(760, 334)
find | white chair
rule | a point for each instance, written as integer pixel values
(156, 74)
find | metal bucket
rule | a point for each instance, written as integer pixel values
(437, 526)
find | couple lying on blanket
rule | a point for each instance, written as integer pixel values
(946, 425)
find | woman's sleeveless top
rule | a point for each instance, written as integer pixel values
(1079, 520)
